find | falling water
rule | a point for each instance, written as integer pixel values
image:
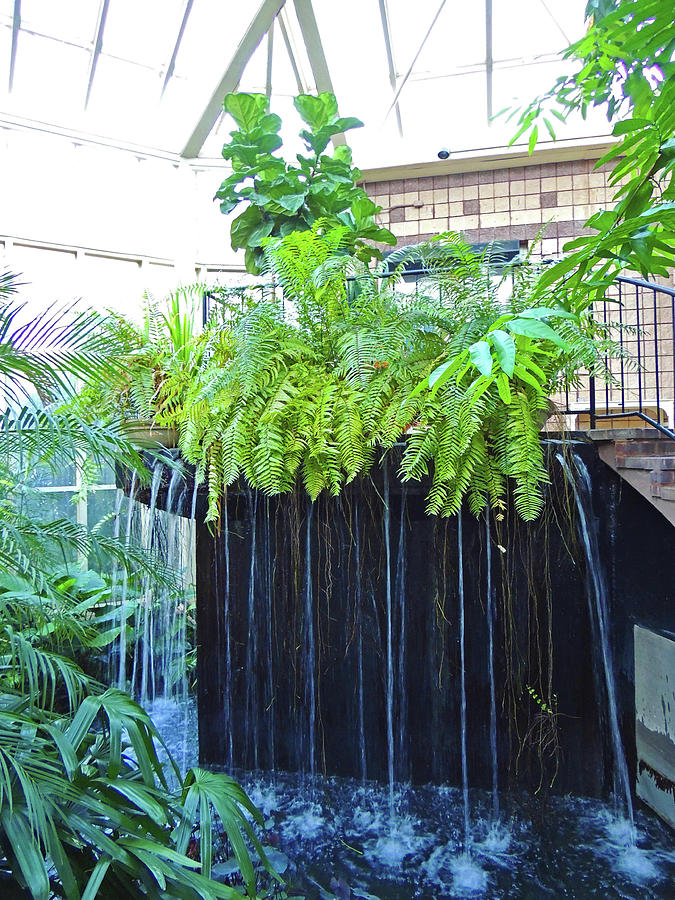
(491, 668)
(390, 653)
(228, 648)
(310, 660)
(251, 729)
(401, 608)
(465, 774)
(171, 554)
(598, 604)
(359, 626)
(122, 675)
(269, 603)
(146, 606)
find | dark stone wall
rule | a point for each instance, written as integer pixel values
(543, 637)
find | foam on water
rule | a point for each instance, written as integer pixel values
(468, 879)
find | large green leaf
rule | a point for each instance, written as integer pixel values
(481, 357)
(317, 111)
(535, 328)
(247, 110)
(505, 350)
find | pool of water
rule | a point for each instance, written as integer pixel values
(343, 839)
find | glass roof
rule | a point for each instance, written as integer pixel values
(142, 72)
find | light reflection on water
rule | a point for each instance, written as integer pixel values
(342, 842)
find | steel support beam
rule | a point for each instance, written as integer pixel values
(489, 59)
(176, 47)
(315, 52)
(292, 50)
(417, 56)
(96, 51)
(270, 60)
(260, 25)
(386, 31)
(16, 27)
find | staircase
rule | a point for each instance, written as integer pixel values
(645, 459)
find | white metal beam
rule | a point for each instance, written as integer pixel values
(16, 27)
(489, 59)
(315, 52)
(176, 46)
(260, 24)
(301, 80)
(96, 50)
(386, 31)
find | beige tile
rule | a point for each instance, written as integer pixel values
(501, 189)
(526, 217)
(410, 228)
(549, 184)
(580, 181)
(563, 183)
(470, 192)
(597, 195)
(462, 222)
(597, 179)
(549, 245)
(411, 196)
(583, 211)
(532, 201)
(428, 211)
(580, 196)
(412, 213)
(492, 220)
(565, 198)
(563, 214)
(440, 195)
(487, 206)
(397, 228)
(395, 199)
(427, 196)
(457, 208)
(501, 204)
(442, 210)
(486, 190)
(517, 187)
(436, 225)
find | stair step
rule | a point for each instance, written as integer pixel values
(662, 447)
(651, 463)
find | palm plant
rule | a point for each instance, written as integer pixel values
(86, 808)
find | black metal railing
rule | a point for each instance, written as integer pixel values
(640, 317)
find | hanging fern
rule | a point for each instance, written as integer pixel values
(316, 378)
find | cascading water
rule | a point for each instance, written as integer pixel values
(598, 610)
(390, 649)
(122, 670)
(251, 724)
(310, 649)
(462, 656)
(490, 613)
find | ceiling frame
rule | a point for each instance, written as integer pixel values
(16, 27)
(98, 46)
(176, 47)
(391, 65)
(256, 31)
(315, 53)
(489, 59)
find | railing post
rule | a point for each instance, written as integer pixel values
(591, 396)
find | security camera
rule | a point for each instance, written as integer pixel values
(443, 153)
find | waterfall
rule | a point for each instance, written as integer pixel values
(390, 653)
(269, 670)
(146, 606)
(401, 611)
(251, 728)
(122, 674)
(173, 557)
(598, 608)
(359, 627)
(462, 649)
(310, 650)
(491, 667)
(228, 648)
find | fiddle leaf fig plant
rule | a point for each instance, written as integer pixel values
(282, 197)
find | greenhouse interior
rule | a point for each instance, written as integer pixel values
(337, 360)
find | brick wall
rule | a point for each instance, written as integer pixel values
(502, 204)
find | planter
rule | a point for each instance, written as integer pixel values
(147, 434)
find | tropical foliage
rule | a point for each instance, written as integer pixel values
(86, 808)
(338, 363)
(282, 197)
(625, 66)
